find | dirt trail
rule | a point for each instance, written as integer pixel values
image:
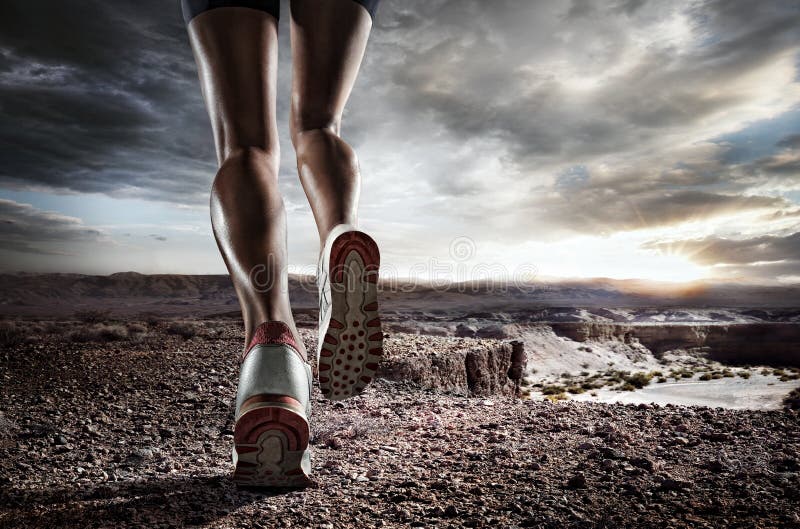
(138, 434)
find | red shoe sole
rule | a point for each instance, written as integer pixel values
(353, 342)
(271, 443)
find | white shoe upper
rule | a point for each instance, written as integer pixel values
(323, 281)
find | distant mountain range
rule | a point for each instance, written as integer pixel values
(199, 295)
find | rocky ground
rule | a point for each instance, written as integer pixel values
(129, 425)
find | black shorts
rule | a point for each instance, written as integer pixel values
(192, 8)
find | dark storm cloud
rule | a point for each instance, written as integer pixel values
(101, 97)
(519, 120)
(780, 169)
(471, 76)
(762, 258)
(791, 142)
(786, 270)
(596, 210)
(26, 229)
(781, 165)
(506, 80)
(721, 251)
(783, 214)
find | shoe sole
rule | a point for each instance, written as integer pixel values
(353, 340)
(271, 446)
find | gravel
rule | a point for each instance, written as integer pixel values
(130, 434)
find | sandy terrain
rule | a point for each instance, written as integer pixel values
(135, 431)
(759, 392)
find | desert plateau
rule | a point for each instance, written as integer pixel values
(586, 404)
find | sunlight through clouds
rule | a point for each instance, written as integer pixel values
(611, 138)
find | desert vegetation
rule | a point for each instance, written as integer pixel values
(561, 386)
(792, 400)
(94, 326)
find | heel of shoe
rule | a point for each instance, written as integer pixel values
(364, 246)
(271, 443)
(273, 403)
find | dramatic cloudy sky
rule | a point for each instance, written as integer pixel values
(620, 138)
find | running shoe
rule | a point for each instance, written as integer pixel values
(350, 341)
(273, 404)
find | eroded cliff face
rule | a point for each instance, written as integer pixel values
(463, 367)
(761, 343)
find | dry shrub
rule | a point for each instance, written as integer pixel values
(111, 333)
(99, 332)
(92, 315)
(214, 332)
(185, 329)
(636, 381)
(11, 334)
(792, 400)
(150, 318)
(138, 333)
(136, 328)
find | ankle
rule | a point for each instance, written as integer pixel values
(275, 332)
(272, 326)
(325, 230)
